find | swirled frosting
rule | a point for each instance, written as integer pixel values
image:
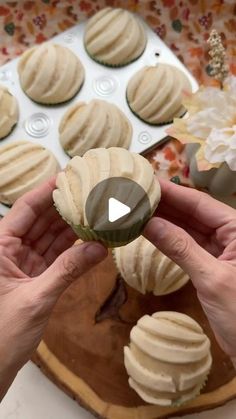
(9, 112)
(96, 124)
(50, 73)
(146, 269)
(114, 37)
(168, 359)
(155, 93)
(23, 166)
(82, 174)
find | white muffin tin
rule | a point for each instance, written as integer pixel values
(39, 123)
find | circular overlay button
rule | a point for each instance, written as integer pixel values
(116, 210)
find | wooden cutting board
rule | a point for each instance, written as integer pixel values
(82, 349)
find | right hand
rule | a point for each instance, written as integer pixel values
(199, 234)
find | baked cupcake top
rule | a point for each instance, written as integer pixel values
(146, 269)
(103, 168)
(155, 94)
(9, 112)
(168, 359)
(114, 37)
(94, 124)
(23, 166)
(50, 73)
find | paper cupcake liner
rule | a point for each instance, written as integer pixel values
(56, 104)
(149, 123)
(113, 65)
(109, 238)
(7, 204)
(180, 402)
(9, 133)
(114, 259)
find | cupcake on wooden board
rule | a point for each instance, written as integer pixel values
(50, 74)
(115, 37)
(9, 112)
(155, 94)
(23, 166)
(95, 124)
(89, 186)
(168, 359)
(146, 269)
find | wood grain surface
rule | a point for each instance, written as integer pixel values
(82, 349)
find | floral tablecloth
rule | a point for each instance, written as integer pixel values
(183, 25)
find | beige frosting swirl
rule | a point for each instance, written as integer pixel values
(155, 93)
(23, 166)
(168, 359)
(96, 124)
(9, 111)
(50, 73)
(115, 37)
(82, 174)
(146, 269)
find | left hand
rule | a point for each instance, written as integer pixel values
(37, 263)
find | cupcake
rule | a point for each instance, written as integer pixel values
(146, 269)
(114, 37)
(90, 186)
(155, 94)
(96, 124)
(9, 112)
(168, 359)
(50, 74)
(23, 166)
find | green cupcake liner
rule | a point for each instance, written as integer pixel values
(11, 130)
(113, 65)
(149, 123)
(110, 238)
(55, 104)
(178, 402)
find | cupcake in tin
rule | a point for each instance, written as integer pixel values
(23, 166)
(95, 124)
(50, 74)
(114, 37)
(155, 94)
(9, 112)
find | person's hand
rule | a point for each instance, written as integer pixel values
(37, 263)
(199, 234)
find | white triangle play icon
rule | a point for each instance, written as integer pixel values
(116, 210)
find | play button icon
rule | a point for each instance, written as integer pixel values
(117, 210)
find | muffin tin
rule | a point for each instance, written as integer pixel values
(39, 123)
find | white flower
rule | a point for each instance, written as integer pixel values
(220, 146)
(215, 122)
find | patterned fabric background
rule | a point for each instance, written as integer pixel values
(183, 25)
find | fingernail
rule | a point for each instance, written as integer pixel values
(95, 252)
(155, 229)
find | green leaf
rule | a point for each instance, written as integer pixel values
(177, 25)
(209, 70)
(10, 28)
(175, 179)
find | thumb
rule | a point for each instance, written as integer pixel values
(179, 246)
(69, 266)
